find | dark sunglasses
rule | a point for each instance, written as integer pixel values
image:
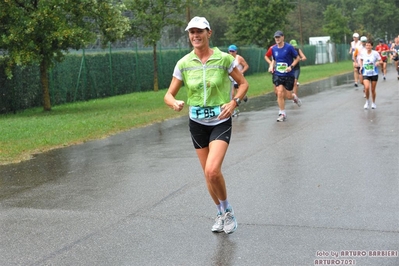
(231, 51)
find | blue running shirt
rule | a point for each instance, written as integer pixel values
(284, 57)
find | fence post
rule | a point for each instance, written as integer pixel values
(137, 69)
(82, 68)
(260, 59)
(51, 87)
(160, 70)
(110, 70)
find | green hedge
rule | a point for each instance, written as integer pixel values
(89, 75)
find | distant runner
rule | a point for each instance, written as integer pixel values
(369, 62)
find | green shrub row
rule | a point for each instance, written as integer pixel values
(89, 75)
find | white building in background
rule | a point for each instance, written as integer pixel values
(325, 52)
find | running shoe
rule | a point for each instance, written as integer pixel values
(218, 225)
(281, 117)
(245, 98)
(366, 105)
(356, 85)
(230, 222)
(373, 106)
(297, 100)
(385, 78)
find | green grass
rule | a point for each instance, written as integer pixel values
(33, 131)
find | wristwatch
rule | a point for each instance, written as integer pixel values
(238, 101)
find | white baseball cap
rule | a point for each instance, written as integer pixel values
(199, 23)
(363, 39)
(356, 35)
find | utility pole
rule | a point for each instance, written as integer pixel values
(300, 21)
(298, 2)
(188, 18)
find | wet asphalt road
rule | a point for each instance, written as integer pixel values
(326, 181)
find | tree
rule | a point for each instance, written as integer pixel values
(379, 18)
(217, 12)
(255, 21)
(149, 17)
(335, 24)
(42, 31)
(306, 17)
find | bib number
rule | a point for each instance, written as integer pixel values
(281, 67)
(369, 68)
(204, 113)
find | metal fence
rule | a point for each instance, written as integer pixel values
(92, 74)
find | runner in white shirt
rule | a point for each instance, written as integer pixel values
(355, 44)
(395, 54)
(369, 62)
(356, 58)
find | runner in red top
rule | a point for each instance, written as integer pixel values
(269, 59)
(383, 49)
(269, 52)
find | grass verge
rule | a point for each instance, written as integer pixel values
(34, 131)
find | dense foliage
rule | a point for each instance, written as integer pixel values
(149, 18)
(255, 21)
(41, 31)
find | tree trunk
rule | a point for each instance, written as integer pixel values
(188, 18)
(155, 67)
(45, 86)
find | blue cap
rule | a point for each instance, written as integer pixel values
(278, 33)
(233, 48)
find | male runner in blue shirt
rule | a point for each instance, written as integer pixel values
(285, 58)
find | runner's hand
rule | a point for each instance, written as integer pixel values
(227, 110)
(271, 69)
(178, 105)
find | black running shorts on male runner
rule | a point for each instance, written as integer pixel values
(286, 81)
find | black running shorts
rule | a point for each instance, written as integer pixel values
(371, 78)
(297, 72)
(286, 81)
(202, 135)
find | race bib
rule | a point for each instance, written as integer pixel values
(281, 67)
(369, 69)
(204, 113)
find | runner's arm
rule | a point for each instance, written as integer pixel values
(244, 64)
(296, 61)
(242, 83)
(354, 56)
(170, 95)
(271, 64)
(302, 55)
(228, 108)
